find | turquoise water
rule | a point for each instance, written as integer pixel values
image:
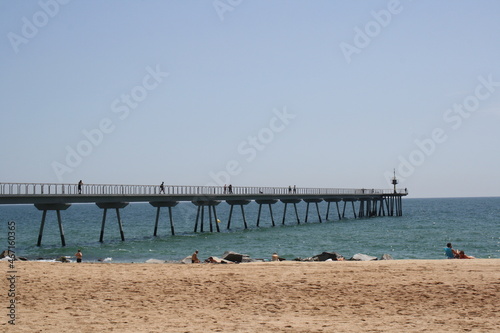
(471, 224)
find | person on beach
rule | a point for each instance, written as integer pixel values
(194, 258)
(80, 183)
(450, 252)
(79, 256)
(462, 255)
(275, 257)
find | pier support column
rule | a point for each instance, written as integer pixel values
(330, 200)
(215, 217)
(353, 209)
(316, 201)
(394, 204)
(116, 206)
(268, 202)
(361, 212)
(294, 202)
(201, 204)
(57, 208)
(240, 203)
(381, 210)
(158, 205)
(351, 200)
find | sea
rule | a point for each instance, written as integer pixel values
(470, 224)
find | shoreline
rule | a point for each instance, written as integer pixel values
(410, 295)
(154, 261)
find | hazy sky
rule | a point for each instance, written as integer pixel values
(253, 93)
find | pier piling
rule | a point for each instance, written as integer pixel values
(112, 205)
(57, 208)
(265, 202)
(293, 201)
(240, 203)
(201, 209)
(159, 205)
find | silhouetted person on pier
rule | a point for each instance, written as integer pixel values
(294, 189)
(230, 187)
(162, 188)
(289, 189)
(225, 188)
(80, 183)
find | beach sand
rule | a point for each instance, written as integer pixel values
(380, 296)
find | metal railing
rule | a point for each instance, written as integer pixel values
(26, 189)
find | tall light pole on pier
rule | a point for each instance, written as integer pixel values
(394, 181)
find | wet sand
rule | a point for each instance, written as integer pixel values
(381, 296)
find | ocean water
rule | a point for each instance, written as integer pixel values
(471, 224)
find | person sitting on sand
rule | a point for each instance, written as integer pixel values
(194, 258)
(450, 252)
(462, 255)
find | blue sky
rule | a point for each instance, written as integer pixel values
(253, 93)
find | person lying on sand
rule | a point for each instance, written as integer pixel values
(462, 255)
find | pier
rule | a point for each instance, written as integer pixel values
(360, 203)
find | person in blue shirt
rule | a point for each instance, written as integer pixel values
(450, 252)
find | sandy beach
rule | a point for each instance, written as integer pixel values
(380, 296)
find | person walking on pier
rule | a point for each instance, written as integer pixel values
(80, 183)
(230, 187)
(162, 188)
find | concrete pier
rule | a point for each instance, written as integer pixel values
(57, 197)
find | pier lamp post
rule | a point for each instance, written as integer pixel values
(394, 181)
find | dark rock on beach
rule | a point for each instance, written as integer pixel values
(323, 257)
(236, 257)
(327, 255)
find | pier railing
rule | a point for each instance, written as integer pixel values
(26, 189)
